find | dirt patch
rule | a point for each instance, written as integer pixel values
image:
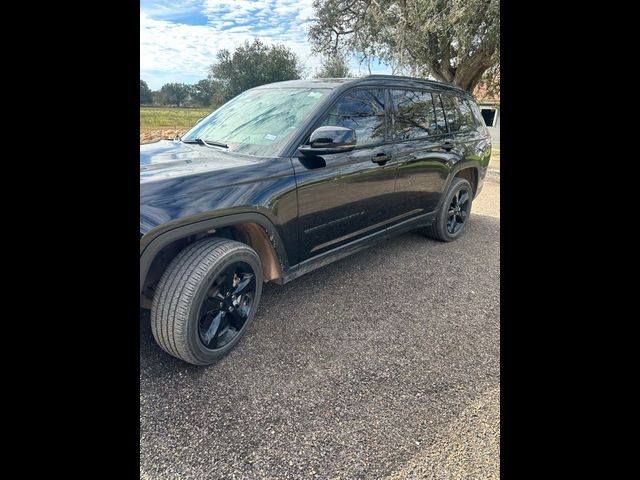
(150, 135)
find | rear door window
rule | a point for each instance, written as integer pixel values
(451, 112)
(440, 119)
(414, 115)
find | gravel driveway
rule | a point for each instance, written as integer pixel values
(382, 365)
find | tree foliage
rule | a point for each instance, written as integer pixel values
(454, 41)
(490, 82)
(175, 94)
(334, 66)
(202, 93)
(251, 65)
(145, 93)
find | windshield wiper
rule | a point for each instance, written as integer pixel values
(211, 143)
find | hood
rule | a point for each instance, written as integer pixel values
(167, 159)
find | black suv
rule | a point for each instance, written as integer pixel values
(288, 177)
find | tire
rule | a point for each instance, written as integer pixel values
(199, 312)
(441, 229)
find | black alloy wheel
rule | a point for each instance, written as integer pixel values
(459, 209)
(206, 299)
(227, 305)
(453, 213)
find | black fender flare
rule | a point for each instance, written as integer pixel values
(149, 253)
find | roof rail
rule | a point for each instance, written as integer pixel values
(416, 79)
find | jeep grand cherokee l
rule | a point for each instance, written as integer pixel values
(288, 177)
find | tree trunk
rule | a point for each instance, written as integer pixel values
(470, 71)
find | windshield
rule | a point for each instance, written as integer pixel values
(258, 122)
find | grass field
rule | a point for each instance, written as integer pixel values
(175, 118)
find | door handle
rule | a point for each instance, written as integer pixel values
(381, 158)
(448, 146)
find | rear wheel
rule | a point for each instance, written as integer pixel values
(206, 299)
(454, 212)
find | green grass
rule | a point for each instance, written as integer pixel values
(171, 117)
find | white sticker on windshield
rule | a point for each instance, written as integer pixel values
(314, 94)
(268, 136)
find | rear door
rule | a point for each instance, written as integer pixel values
(423, 148)
(345, 196)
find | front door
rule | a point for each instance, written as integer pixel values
(345, 196)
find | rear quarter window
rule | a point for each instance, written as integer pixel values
(477, 114)
(467, 121)
(460, 118)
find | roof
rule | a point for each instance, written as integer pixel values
(390, 79)
(309, 82)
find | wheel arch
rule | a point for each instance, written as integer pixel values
(468, 170)
(253, 229)
(470, 173)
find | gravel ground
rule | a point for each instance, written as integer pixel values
(488, 202)
(468, 448)
(382, 365)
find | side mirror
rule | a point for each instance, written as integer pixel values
(325, 140)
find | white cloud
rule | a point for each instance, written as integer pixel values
(180, 52)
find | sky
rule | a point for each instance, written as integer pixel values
(179, 39)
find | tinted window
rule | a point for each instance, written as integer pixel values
(362, 110)
(440, 120)
(451, 111)
(414, 115)
(467, 122)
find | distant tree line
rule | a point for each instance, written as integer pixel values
(250, 65)
(179, 94)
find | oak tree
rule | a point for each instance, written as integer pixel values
(454, 41)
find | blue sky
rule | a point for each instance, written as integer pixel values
(179, 39)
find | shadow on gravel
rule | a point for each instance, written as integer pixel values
(345, 371)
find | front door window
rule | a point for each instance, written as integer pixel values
(362, 110)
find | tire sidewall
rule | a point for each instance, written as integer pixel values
(241, 253)
(457, 185)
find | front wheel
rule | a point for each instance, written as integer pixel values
(206, 299)
(454, 212)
